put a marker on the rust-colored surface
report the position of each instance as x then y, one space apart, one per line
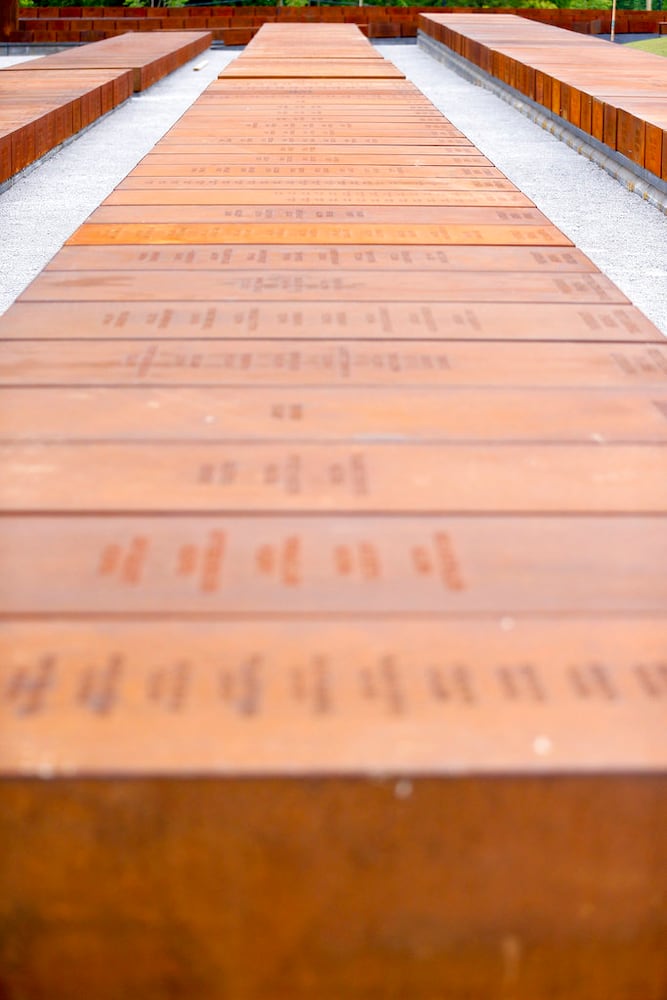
423 866
494 321
378 678
319 217
245 67
301 478
336 363
315 233
142 566
482 194
38 111
282 413
438 164
150 55
333 598
45 101
375 285
617 95
401 259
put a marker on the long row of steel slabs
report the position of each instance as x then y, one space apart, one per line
334 572
45 101
613 93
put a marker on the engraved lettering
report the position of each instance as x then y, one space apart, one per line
98 690
28 686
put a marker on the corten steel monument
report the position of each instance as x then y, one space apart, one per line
333 656
9 17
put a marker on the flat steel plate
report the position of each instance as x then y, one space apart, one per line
568 416
342 566
491 695
329 478
339 286
331 363
322 68
490 195
320 321
316 216
397 258
469 234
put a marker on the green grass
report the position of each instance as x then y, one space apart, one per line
658 46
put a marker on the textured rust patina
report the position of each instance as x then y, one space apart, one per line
333 535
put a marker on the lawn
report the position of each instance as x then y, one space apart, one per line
656 45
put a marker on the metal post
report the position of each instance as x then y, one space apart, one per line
613 21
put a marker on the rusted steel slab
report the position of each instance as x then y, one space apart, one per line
149 55
589 678
488 873
331 363
288 525
432 156
393 133
318 217
338 285
298 143
313 321
269 257
39 111
482 194
153 170
361 69
322 182
302 478
246 537
142 566
110 234
567 416
608 93
213 151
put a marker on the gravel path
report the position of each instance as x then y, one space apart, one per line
624 236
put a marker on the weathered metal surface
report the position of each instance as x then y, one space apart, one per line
609 94
38 111
207 159
342 565
320 321
258 530
443 164
318 68
399 258
455 179
150 55
408 234
299 478
317 216
334 363
453 686
355 416
483 194
340 286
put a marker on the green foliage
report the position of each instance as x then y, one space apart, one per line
590 4
154 3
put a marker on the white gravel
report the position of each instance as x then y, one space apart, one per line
625 237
